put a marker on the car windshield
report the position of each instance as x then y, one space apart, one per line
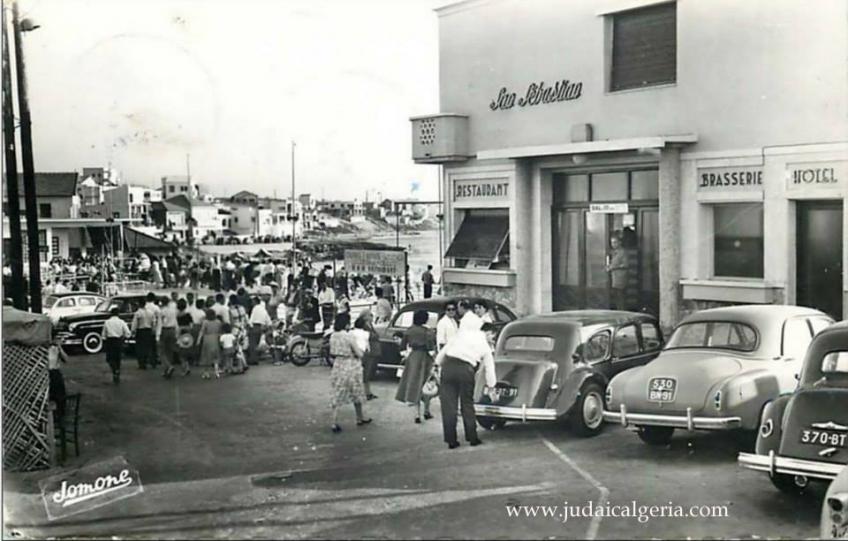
103 306
49 302
835 363
528 344
404 319
714 334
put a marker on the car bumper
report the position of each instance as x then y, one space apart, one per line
69 339
519 414
688 421
772 464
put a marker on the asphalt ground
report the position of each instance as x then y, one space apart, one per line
253 456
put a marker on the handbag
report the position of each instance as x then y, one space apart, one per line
431 384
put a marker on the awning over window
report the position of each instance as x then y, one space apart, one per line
481 236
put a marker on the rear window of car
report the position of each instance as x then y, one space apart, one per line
539 344
404 319
714 334
835 362
49 301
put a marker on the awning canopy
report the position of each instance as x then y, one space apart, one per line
481 236
589 147
136 240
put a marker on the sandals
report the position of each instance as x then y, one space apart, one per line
363 422
336 428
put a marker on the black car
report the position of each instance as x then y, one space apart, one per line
85 329
390 336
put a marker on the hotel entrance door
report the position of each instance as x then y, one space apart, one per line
819 256
582 251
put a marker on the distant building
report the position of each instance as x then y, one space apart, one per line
174 185
56 195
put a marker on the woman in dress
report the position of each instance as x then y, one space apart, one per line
185 338
417 366
346 374
156 274
238 321
365 322
209 340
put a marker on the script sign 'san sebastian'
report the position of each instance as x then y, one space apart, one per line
389 262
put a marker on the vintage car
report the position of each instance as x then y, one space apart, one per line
834 523
84 329
391 335
804 435
716 372
556 366
58 305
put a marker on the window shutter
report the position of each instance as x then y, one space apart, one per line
644 47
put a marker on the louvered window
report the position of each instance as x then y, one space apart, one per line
644 47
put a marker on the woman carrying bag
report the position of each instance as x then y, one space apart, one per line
418 366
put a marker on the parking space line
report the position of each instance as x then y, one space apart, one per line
592 532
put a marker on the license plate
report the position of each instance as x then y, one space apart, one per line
399 372
824 438
509 392
662 389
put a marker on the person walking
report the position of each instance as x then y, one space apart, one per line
346 374
115 331
365 325
459 361
166 337
260 322
209 341
239 324
228 348
427 281
56 392
327 302
417 366
186 350
447 327
144 325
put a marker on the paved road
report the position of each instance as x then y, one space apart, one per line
253 456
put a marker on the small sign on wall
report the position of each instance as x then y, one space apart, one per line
609 208
725 179
816 176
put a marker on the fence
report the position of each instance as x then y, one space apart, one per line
27 422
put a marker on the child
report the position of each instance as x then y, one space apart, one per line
228 342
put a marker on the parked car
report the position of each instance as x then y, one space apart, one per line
391 335
834 523
804 435
555 367
84 329
58 305
716 372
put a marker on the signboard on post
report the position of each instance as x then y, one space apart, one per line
390 262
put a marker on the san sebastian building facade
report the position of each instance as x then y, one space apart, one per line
709 138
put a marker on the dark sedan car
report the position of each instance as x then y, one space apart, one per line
556 366
84 329
391 335
803 436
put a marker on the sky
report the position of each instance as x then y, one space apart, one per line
141 84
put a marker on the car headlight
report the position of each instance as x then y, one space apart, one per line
71 327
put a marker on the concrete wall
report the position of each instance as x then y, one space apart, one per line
749 74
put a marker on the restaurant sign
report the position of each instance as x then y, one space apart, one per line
388 262
537 93
730 179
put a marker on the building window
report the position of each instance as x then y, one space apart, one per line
620 186
644 47
45 211
738 240
482 241
171 189
183 189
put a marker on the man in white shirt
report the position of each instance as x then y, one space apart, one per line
220 308
447 326
115 331
168 336
260 321
459 361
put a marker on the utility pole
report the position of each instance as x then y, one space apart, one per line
293 215
28 170
14 203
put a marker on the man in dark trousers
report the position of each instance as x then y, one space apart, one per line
115 331
459 361
427 280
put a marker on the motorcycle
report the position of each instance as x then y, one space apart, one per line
304 345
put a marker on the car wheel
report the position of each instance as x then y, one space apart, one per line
299 354
92 343
490 423
656 435
587 417
786 484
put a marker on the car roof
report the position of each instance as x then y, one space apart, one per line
754 314
73 293
437 304
833 338
586 318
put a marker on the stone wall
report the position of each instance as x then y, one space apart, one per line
503 295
